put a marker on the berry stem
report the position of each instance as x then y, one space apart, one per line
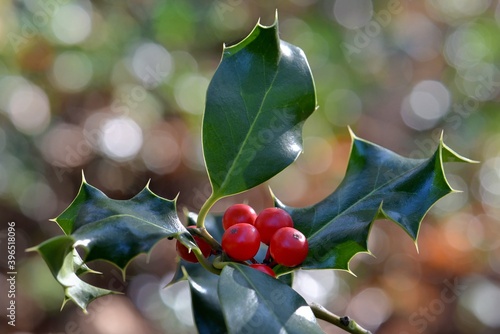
345 323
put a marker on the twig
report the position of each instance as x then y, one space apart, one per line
345 323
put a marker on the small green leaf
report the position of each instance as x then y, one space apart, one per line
112 230
257 102
119 230
65 264
254 302
378 183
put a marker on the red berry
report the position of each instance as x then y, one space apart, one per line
263 268
237 214
271 220
188 255
241 241
288 247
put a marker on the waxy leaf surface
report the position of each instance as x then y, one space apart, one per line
257 102
254 302
106 229
378 184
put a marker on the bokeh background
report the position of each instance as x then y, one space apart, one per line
117 89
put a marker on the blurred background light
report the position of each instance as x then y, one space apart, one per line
72 23
165 305
317 156
3 180
151 64
482 298
489 179
161 152
192 152
427 103
402 272
479 81
190 91
72 71
464 232
455 202
42 205
287 191
451 10
343 107
371 306
230 15
26 104
316 285
3 140
466 46
121 138
65 146
304 2
353 14
418 36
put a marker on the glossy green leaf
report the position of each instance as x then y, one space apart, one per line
257 102
106 229
378 183
66 266
207 310
254 302
119 230
203 284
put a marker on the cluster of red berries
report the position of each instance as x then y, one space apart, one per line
244 232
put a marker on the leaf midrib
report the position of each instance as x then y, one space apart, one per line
120 216
370 194
250 130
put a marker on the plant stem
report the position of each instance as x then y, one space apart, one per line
200 222
345 323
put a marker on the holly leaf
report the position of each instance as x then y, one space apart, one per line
207 311
66 265
106 229
378 184
254 302
257 102
119 230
